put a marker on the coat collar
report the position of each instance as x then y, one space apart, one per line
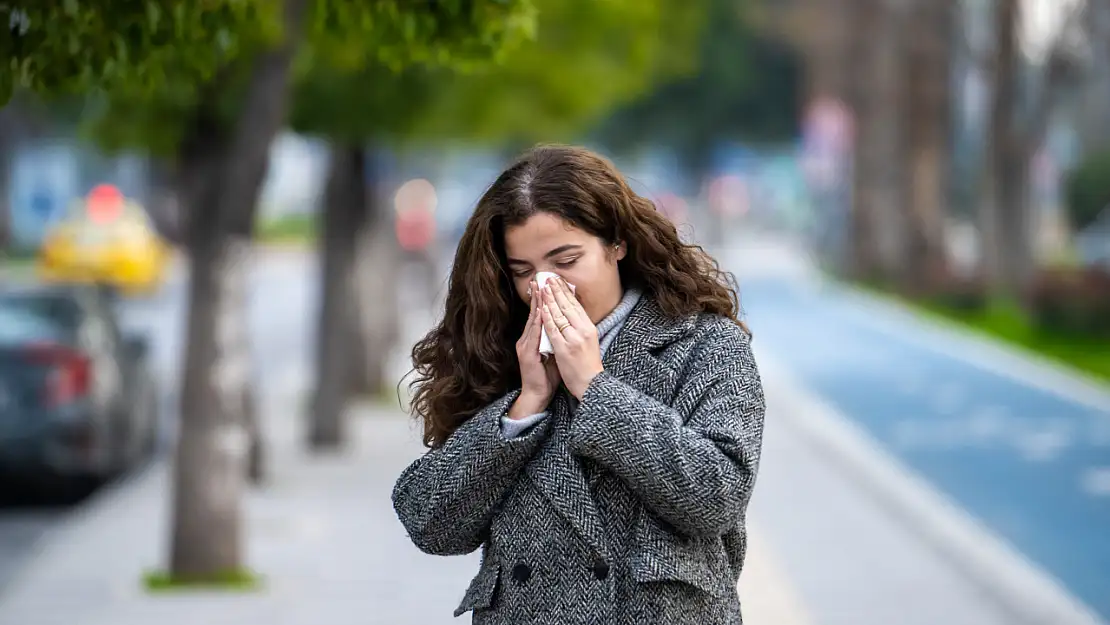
649 328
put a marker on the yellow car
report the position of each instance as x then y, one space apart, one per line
105 239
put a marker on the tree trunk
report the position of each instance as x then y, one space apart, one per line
9 143
931 42
879 180
344 218
1095 103
828 33
1005 218
7 149
994 204
209 464
378 270
825 34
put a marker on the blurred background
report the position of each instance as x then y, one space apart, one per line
223 225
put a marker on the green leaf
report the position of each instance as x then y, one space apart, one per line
153 15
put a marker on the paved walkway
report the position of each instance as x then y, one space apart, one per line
324 535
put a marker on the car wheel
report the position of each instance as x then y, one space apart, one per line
62 490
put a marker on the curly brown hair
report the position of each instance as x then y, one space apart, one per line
469 359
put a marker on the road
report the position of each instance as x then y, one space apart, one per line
1023 453
1019 459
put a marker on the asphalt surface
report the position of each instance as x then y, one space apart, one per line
1029 460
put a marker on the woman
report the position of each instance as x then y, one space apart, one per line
608 483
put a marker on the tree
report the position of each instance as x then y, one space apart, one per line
1016 129
878 101
550 87
743 85
1095 101
930 42
61 49
69 47
218 132
824 35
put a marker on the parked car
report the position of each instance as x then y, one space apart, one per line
78 401
105 239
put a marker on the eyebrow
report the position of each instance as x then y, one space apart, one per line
555 252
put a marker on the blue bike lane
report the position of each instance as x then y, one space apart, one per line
1031 465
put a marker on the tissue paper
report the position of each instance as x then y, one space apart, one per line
545 342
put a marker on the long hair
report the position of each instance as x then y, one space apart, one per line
469 359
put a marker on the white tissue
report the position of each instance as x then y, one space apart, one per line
545 342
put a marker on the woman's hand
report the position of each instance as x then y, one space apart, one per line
573 337
538 378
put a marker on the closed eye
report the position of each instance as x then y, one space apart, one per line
566 263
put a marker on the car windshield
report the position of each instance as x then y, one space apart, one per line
19 326
51 310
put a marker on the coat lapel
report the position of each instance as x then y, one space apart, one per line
631 357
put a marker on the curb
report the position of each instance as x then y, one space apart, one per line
1028 594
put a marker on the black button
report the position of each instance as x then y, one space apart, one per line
601 570
522 573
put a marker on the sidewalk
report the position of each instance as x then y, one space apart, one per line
324 535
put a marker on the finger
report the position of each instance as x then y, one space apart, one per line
535 334
567 305
573 298
533 321
557 313
553 333
537 302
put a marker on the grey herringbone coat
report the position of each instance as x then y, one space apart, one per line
628 510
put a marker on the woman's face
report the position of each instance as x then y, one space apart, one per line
546 242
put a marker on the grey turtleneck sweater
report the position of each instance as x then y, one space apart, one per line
607 330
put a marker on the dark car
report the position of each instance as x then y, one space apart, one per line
78 402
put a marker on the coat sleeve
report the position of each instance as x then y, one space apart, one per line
695 473
446 498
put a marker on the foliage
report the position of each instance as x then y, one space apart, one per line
1067 317
345 38
1010 324
1072 301
372 103
745 88
75 45
585 57
294 229
1088 189
239 581
967 294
